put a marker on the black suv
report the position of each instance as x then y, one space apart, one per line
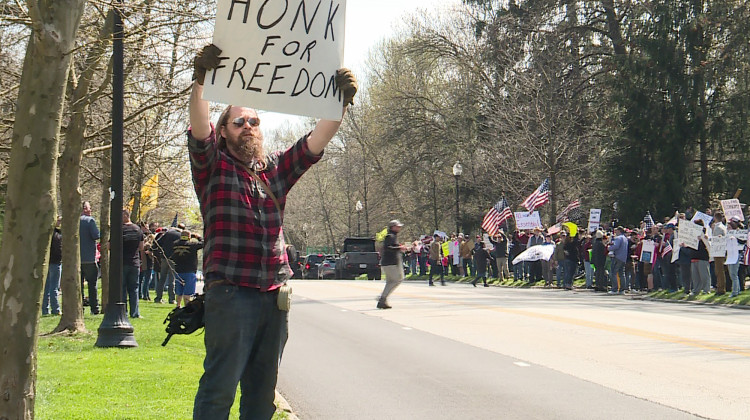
310 266
358 257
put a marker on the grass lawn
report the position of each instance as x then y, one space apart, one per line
726 299
76 380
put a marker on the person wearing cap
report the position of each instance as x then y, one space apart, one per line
185 258
392 263
599 260
619 251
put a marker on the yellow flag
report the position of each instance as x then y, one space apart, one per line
150 194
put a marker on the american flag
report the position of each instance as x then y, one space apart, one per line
648 220
565 213
538 198
666 248
746 255
499 213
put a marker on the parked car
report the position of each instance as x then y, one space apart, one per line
310 266
295 262
327 269
358 256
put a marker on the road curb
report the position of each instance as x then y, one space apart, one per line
283 405
690 302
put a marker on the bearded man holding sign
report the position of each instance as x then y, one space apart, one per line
242 193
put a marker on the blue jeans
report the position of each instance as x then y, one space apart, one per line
50 290
130 288
90 273
413 266
143 282
617 275
517 270
166 276
733 274
422 265
570 271
468 266
560 272
245 337
589 273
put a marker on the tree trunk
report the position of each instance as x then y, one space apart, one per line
105 225
613 28
70 193
31 208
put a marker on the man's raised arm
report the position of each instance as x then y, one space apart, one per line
207 59
325 129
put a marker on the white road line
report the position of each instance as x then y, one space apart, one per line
521 364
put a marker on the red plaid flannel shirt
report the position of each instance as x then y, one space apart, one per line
244 241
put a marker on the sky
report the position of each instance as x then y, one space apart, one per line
367 23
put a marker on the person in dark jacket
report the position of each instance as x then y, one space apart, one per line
599 260
501 254
481 258
571 261
185 258
49 301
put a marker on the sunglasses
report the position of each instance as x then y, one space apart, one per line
239 122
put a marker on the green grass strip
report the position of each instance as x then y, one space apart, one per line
79 381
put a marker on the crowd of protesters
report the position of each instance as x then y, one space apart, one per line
609 259
154 259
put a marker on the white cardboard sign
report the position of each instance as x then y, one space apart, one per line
595 217
689 233
647 251
703 216
279 55
718 246
526 220
732 208
740 234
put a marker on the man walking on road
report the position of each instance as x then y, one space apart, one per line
392 264
242 193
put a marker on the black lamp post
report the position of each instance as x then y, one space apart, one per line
457 171
115 329
358 206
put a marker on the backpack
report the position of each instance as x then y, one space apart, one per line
185 320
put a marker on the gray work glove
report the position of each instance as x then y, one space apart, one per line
347 83
207 59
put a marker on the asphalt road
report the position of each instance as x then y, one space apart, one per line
459 352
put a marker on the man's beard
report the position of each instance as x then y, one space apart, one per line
247 147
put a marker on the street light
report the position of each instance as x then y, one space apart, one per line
457 171
115 329
359 207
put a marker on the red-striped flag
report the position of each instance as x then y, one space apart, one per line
666 249
563 214
499 213
538 198
746 255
